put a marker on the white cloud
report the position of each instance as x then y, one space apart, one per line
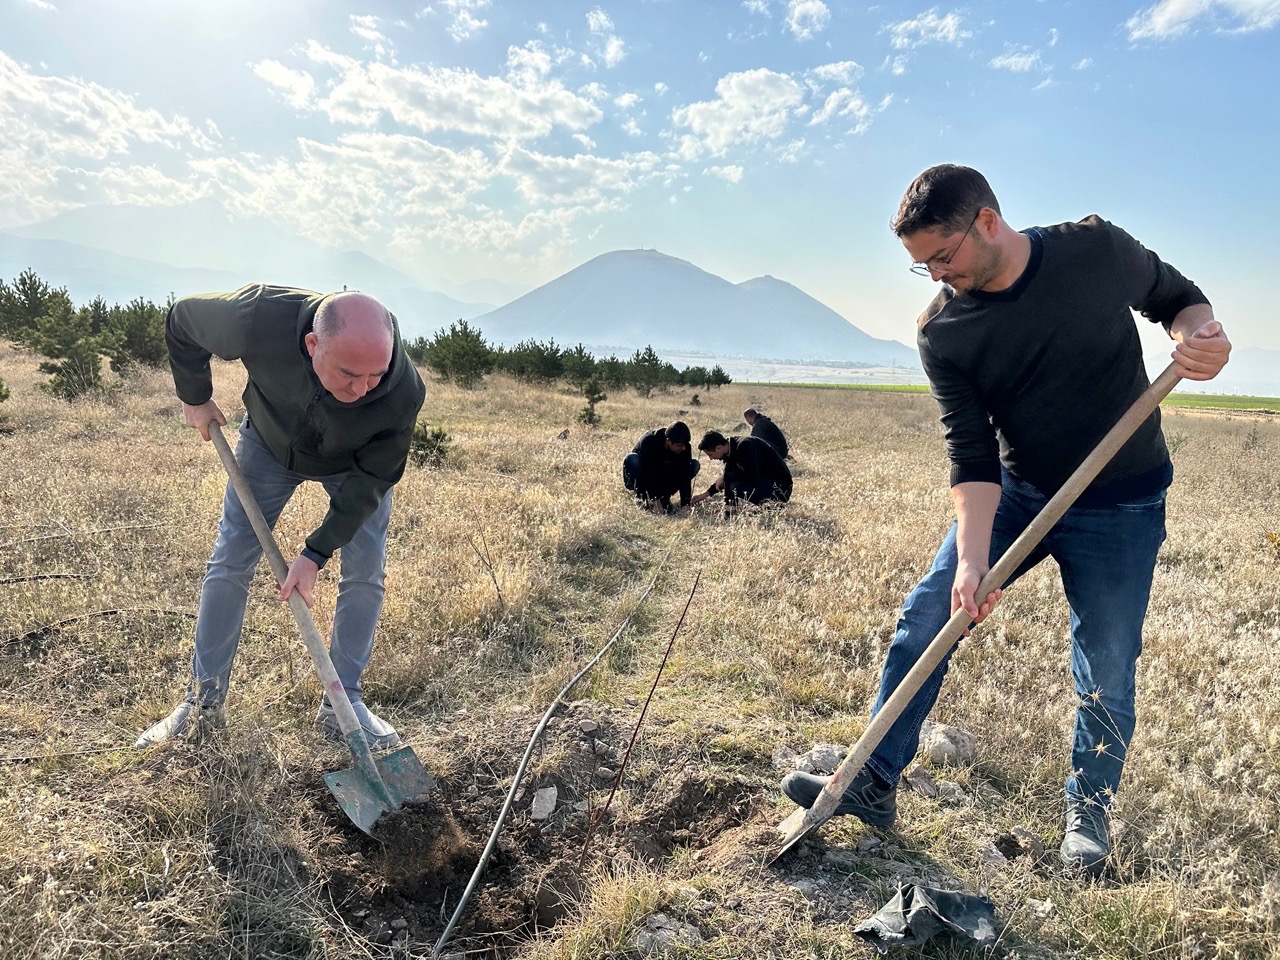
758 8
750 106
42 4
1021 62
845 71
807 18
1053 36
366 27
731 173
660 88
1044 84
463 20
587 142
843 103
1172 18
525 105
626 101
927 28
1084 64
598 21
68 142
585 181
609 46
896 65
296 86
632 127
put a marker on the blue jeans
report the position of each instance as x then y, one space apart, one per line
235 556
1107 557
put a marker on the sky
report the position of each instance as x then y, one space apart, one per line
465 140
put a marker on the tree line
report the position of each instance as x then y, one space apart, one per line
461 355
73 340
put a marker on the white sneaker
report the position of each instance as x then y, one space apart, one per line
379 734
188 721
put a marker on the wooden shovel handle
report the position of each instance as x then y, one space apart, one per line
950 634
336 693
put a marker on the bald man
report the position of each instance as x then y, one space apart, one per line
333 398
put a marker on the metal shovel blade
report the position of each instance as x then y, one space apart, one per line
802 822
401 778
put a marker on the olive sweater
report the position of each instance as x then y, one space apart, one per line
305 427
1032 377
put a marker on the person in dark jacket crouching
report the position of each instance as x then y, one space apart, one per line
753 470
661 466
764 428
331 397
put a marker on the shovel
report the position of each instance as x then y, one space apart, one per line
802 821
372 787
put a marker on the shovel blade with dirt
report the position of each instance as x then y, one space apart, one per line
802 822
374 786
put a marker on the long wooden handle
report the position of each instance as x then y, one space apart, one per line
950 634
336 693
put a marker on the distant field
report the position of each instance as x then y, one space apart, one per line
1201 401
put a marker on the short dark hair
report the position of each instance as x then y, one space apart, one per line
712 439
750 412
678 432
947 196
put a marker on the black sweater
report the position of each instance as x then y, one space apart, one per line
1035 375
770 433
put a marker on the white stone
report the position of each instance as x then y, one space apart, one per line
544 803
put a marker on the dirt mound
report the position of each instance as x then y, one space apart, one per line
401 891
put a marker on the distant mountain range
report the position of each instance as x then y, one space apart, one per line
616 302
629 298
619 301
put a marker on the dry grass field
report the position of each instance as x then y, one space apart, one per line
510 565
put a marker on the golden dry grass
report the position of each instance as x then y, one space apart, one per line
512 564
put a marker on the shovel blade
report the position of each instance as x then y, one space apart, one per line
795 828
364 799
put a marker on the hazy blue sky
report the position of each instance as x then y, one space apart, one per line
468 139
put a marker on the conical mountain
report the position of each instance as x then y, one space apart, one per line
627 299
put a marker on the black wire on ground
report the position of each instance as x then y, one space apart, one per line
524 763
600 815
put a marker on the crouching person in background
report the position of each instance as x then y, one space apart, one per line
333 398
660 466
753 470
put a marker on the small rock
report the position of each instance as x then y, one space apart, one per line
384 936
582 806
661 935
784 759
605 773
544 803
825 757
399 923
808 888
588 726
950 792
948 746
472 791
868 843
563 434
991 853
922 782
600 748
1041 908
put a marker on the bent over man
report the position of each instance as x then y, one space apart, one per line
762 426
753 470
1032 356
331 397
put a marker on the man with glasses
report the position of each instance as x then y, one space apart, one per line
1032 356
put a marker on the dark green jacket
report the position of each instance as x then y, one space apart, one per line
306 429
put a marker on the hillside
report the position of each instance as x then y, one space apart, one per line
630 298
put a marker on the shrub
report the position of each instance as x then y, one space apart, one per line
133 334
430 445
4 392
65 335
459 354
644 371
594 394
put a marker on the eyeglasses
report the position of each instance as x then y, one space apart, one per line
937 263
